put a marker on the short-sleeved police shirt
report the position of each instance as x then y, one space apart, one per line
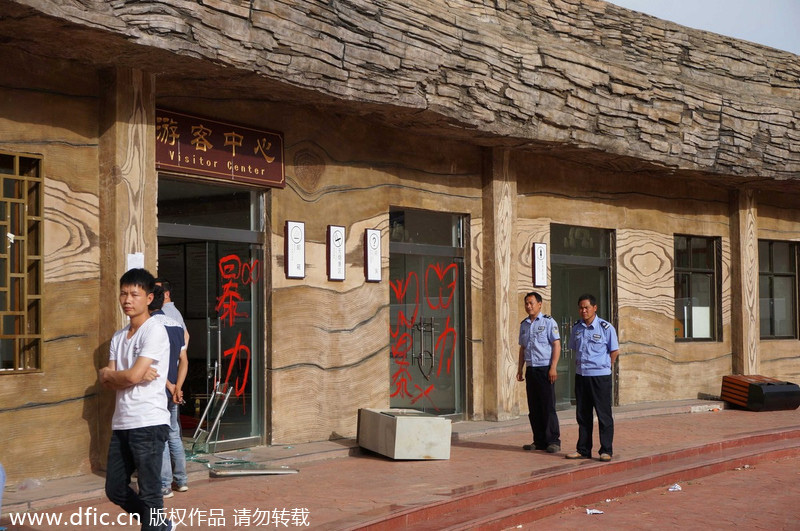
593 345
537 337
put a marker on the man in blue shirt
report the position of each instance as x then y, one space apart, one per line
539 350
173 450
596 348
2 486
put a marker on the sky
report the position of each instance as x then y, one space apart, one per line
775 23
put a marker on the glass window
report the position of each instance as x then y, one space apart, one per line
697 288
20 264
425 227
777 289
572 240
185 202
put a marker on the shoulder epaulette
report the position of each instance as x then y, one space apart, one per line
576 322
546 316
605 324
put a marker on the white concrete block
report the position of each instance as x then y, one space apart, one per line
404 433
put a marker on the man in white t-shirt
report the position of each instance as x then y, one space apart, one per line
137 371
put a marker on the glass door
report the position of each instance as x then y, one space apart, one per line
427 312
221 287
580 262
212 253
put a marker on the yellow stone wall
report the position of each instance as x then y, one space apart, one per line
779 219
327 343
50 419
645 214
330 340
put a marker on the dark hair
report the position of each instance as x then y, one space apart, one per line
158 299
587 297
138 277
164 283
533 294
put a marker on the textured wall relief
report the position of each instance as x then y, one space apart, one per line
308 168
528 232
71 244
644 270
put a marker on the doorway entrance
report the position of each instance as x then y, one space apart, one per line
581 261
426 264
210 248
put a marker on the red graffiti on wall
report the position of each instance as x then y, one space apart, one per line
440 282
234 272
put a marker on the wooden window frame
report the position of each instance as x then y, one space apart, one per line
771 274
715 270
21 263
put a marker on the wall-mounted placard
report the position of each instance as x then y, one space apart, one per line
295 249
135 261
372 255
540 264
336 252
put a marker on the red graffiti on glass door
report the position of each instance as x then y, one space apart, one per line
233 273
402 337
446 291
440 283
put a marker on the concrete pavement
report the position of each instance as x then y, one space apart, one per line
488 479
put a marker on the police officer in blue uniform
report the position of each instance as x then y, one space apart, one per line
596 348
539 350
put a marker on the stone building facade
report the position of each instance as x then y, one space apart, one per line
427 154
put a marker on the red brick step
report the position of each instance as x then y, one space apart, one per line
576 483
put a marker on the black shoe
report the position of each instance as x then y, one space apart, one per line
530 447
553 448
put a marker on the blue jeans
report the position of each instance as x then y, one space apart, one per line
2 486
137 449
174 448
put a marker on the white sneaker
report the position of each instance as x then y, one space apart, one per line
166 492
182 488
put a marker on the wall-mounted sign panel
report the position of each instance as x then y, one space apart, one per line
336 252
540 264
372 255
135 261
217 150
295 249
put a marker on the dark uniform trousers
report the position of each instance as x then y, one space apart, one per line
542 407
594 392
